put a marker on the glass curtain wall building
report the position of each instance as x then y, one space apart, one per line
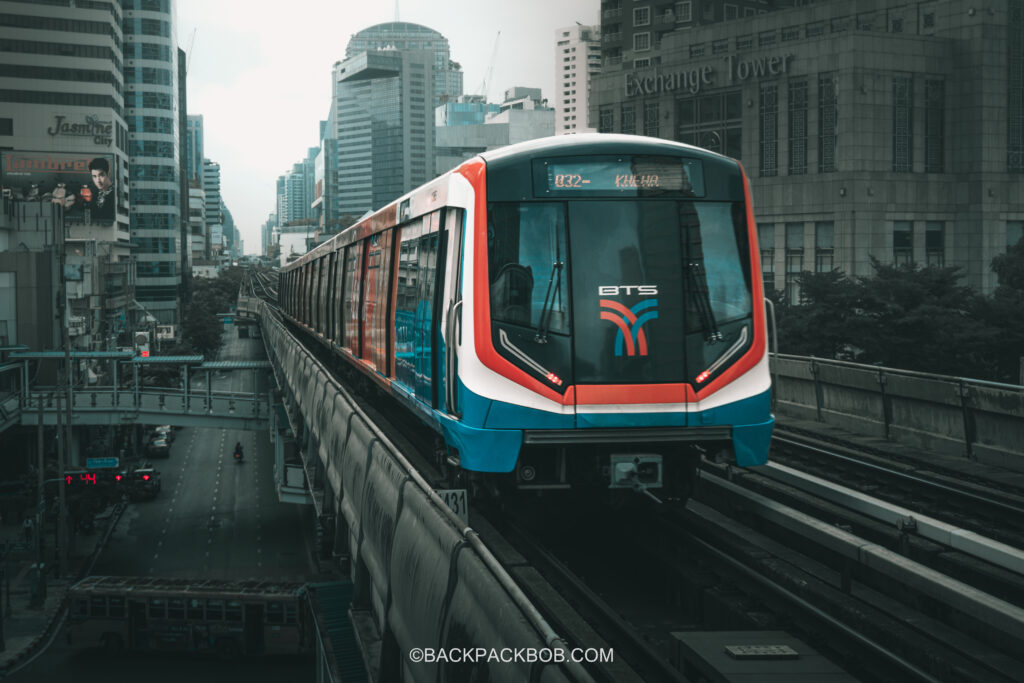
151 111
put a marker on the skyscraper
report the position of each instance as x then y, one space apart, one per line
384 95
151 112
194 149
62 117
577 61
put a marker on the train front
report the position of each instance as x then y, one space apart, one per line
617 316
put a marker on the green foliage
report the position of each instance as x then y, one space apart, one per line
909 317
200 326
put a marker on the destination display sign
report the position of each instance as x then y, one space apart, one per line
622 175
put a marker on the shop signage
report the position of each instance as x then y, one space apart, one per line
737 70
101 132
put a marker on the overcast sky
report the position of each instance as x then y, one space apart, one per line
261 74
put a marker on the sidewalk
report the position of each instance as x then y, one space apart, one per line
26 628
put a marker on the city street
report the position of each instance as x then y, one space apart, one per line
213 519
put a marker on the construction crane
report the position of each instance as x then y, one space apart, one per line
482 91
188 52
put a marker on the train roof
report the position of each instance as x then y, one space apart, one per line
597 143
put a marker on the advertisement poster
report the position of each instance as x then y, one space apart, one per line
83 183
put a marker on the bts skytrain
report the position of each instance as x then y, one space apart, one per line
576 311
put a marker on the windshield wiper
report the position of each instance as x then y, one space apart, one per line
555 283
702 301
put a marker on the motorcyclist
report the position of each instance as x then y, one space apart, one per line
238 450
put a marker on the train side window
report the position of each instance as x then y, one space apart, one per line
176 608
157 608
115 604
98 606
81 608
195 609
290 613
275 613
233 611
214 610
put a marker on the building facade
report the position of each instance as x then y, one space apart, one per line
214 218
523 115
402 36
152 108
64 174
385 129
577 61
870 129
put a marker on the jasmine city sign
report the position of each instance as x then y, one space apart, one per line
691 80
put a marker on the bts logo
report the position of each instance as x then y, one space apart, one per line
615 290
631 338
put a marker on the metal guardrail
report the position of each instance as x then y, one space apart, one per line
975 419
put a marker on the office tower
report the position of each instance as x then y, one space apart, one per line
577 61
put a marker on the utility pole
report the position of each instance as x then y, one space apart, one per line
64 454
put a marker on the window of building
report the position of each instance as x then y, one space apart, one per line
652 127
713 122
928 20
815 29
719 47
903 123
790 33
765 38
1014 232
697 50
824 246
605 120
934 125
769 129
827 123
1015 88
798 126
684 11
731 12
641 41
935 243
902 243
642 63
6 126
641 16
628 119
744 42
794 260
766 242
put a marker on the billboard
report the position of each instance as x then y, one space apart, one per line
85 184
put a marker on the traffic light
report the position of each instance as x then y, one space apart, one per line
142 344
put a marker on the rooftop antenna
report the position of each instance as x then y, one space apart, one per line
396 10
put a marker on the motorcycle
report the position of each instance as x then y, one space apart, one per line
238 456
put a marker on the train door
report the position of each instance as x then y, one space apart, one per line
353 296
140 626
450 309
254 644
416 307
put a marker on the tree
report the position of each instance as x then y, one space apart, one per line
819 326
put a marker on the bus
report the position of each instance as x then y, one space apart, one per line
226 618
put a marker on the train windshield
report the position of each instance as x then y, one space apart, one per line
665 292
620 291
